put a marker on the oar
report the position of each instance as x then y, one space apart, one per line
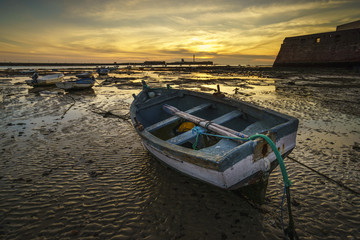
204 123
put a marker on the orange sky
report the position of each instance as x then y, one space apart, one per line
226 32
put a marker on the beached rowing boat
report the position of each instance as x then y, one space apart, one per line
46 80
83 83
159 116
85 75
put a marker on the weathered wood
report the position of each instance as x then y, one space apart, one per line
175 118
215 127
182 138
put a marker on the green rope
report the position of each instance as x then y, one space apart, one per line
266 138
146 87
278 156
292 233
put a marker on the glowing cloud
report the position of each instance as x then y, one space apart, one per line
227 32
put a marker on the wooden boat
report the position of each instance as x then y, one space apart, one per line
224 162
85 75
28 71
103 71
83 83
46 80
113 68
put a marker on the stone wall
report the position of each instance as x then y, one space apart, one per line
339 48
348 26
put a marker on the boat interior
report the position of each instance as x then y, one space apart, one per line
241 118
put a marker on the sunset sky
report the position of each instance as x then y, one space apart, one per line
224 31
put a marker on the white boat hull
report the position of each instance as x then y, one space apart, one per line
223 161
46 80
237 176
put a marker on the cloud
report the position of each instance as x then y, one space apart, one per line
135 29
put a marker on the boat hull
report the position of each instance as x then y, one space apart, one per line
103 71
46 80
85 75
74 85
226 163
245 172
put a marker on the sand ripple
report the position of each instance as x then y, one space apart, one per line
68 170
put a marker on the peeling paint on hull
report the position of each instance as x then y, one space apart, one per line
225 163
243 173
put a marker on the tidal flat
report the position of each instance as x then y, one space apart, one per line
72 166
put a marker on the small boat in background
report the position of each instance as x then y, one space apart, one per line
83 83
163 118
103 71
28 71
85 75
113 68
46 80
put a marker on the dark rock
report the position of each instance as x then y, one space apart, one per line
46 173
94 174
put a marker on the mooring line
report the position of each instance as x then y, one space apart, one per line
109 114
74 101
325 176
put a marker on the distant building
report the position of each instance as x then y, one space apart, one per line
339 48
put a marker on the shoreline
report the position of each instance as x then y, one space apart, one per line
263 70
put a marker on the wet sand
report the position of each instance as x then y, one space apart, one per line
72 167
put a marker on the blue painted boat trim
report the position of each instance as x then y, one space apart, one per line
207 157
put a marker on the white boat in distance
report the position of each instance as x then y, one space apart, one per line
46 80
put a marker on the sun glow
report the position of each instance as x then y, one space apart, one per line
206 44
205 48
226 32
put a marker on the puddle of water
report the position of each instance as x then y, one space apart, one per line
247 89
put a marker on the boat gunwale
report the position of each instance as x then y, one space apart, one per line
46 80
198 157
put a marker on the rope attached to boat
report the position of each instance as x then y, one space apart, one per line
200 131
292 234
146 87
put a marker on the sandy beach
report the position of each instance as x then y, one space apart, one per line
72 167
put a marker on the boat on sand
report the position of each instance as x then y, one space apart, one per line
103 71
211 147
85 75
46 80
83 83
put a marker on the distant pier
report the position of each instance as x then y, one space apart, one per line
146 63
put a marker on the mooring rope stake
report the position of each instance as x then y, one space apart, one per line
290 232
